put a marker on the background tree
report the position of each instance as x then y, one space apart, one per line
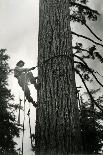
8 129
91 128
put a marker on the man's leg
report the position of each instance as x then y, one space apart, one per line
33 80
23 83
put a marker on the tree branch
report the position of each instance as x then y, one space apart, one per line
91 97
92 32
82 61
89 69
85 7
86 38
83 22
95 113
77 48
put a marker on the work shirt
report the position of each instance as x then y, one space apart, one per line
19 70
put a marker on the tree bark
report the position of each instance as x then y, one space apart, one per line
57 117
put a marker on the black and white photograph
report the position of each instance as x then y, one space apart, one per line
51 77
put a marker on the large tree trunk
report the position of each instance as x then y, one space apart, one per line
57 117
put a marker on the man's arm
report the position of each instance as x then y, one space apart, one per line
22 69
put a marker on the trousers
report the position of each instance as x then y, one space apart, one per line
23 82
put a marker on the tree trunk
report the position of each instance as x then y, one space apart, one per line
57 116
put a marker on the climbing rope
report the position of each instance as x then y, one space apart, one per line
24 117
53 57
19 110
30 123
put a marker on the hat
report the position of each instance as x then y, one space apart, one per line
20 62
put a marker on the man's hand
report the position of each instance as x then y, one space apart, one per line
32 68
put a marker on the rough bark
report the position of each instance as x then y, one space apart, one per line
57 117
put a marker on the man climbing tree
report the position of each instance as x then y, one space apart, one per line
57 118
23 75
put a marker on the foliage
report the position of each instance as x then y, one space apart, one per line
7 118
91 128
85 56
91 111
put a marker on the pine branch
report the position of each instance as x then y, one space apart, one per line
85 7
92 32
82 61
76 47
83 22
89 69
90 51
95 113
91 97
86 38
97 79
81 1
82 64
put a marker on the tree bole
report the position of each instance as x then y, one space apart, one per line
57 117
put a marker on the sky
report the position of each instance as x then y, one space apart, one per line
19 21
19 30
